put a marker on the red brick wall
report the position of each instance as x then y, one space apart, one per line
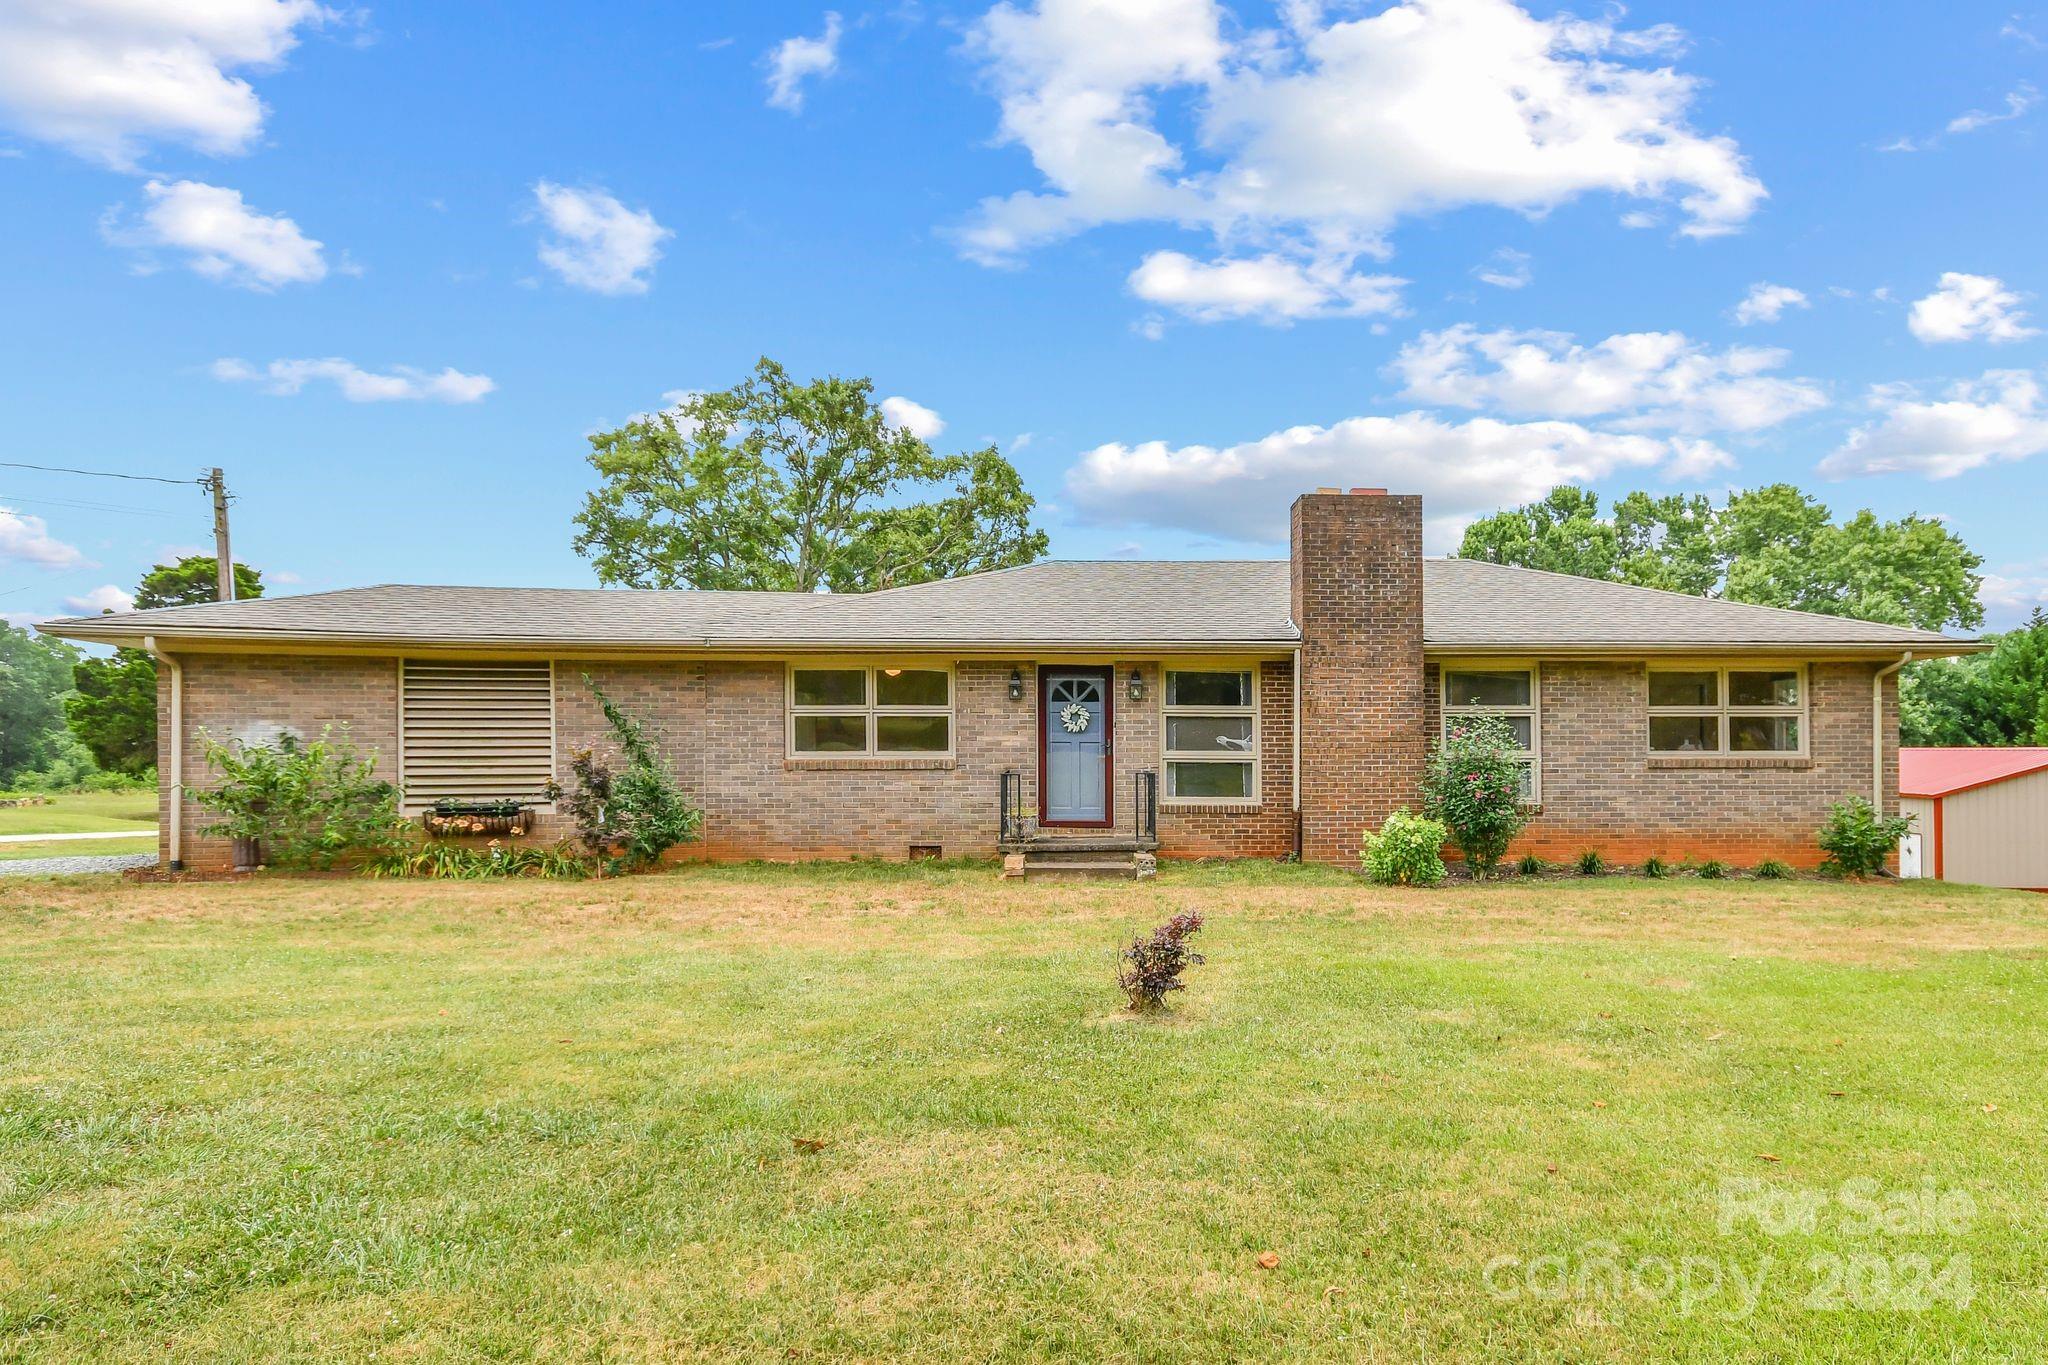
721 725
1357 599
1603 790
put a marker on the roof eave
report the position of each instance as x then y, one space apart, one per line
85 632
1562 649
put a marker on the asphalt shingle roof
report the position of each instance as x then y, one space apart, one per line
1466 605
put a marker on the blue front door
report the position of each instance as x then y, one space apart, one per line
1076 776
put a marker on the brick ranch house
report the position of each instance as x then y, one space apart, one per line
1241 708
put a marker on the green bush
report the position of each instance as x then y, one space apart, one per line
1656 867
1529 865
1408 851
308 804
626 819
1713 870
1771 870
467 862
1857 840
1591 864
1473 784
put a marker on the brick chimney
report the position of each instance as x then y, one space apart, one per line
1356 591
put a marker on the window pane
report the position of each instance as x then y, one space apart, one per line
1763 689
1685 734
1763 734
910 687
831 734
1466 688
911 734
1208 689
1524 727
1685 689
1528 780
831 687
1195 734
1209 779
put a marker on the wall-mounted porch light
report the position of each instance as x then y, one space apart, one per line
1137 685
1016 685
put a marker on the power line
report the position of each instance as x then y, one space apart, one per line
99 473
10 499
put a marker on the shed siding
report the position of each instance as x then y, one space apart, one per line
1997 835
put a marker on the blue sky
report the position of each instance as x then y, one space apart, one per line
1180 259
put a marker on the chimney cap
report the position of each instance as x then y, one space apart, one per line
1368 492
1329 490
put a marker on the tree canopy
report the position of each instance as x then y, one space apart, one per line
1995 698
113 710
35 673
774 484
1775 546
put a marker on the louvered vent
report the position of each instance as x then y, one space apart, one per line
476 732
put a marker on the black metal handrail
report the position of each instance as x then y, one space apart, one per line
1145 805
1010 806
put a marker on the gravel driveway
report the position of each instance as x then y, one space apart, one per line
65 867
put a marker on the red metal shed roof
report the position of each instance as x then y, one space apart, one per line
1942 772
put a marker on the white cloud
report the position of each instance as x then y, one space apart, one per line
1318 138
1462 469
1999 418
793 61
220 236
2011 592
401 383
915 418
1507 268
599 243
22 620
104 598
1964 307
1270 288
105 77
1638 219
1767 303
2017 102
27 539
1644 379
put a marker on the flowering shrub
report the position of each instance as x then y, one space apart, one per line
1152 965
1408 851
1473 784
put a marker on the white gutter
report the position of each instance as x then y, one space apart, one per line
177 773
1877 729
1294 781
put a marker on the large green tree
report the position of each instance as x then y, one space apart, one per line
1774 546
35 673
113 710
1995 698
774 484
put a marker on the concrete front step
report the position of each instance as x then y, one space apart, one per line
1123 868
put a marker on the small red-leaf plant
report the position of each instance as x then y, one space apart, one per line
1152 965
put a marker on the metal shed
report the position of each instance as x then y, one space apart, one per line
1980 815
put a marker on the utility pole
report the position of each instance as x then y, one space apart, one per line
223 557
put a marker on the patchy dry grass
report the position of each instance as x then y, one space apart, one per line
536 1120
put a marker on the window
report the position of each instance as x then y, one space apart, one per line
1509 694
854 710
1212 736
1727 711
475 731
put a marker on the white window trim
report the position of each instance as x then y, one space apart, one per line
1252 757
870 709
1449 710
1726 713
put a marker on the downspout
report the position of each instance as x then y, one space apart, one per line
1877 730
177 773
1294 780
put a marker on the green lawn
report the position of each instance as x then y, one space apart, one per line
77 848
83 813
342 1119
